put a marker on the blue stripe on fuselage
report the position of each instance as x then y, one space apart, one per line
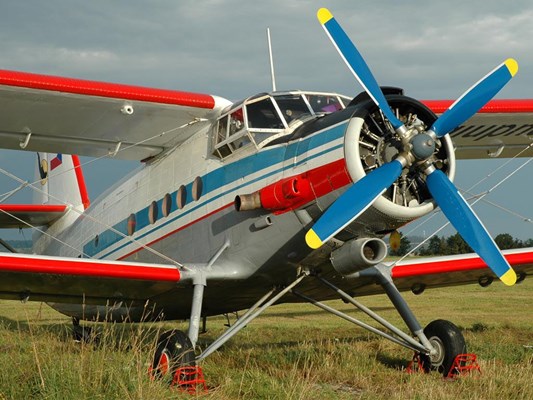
219 178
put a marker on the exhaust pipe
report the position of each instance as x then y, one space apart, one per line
284 195
358 254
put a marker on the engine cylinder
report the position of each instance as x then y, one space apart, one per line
370 141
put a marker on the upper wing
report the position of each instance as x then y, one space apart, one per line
74 116
502 128
456 270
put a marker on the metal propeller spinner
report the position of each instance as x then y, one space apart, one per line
418 148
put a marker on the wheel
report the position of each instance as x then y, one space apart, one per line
83 334
448 340
174 350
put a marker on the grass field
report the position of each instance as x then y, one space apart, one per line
292 352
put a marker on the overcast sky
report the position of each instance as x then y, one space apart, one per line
434 50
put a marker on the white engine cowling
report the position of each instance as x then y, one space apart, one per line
370 142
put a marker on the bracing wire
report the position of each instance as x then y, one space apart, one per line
476 198
83 213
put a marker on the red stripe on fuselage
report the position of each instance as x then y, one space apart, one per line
493 106
97 269
454 265
324 179
104 89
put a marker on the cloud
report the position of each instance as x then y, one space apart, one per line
220 46
52 59
432 49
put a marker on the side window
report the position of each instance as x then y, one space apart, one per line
222 129
167 205
132 223
236 122
153 212
197 188
231 134
181 197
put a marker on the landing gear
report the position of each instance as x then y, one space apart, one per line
83 334
437 346
448 342
174 350
174 356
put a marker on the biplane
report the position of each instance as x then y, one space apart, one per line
282 197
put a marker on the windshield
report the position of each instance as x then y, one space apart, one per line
293 106
263 115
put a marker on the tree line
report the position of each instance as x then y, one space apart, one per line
455 244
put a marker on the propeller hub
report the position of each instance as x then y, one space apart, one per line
423 146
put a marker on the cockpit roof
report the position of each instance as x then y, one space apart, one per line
266 117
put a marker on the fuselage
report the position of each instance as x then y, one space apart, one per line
181 206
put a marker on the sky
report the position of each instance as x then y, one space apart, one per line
434 50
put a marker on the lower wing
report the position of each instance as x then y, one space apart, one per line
454 270
76 280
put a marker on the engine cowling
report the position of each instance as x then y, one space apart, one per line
370 141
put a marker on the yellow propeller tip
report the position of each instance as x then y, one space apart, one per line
324 15
312 239
509 278
512 66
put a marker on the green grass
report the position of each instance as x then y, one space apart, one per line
292 352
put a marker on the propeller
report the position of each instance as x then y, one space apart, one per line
418 148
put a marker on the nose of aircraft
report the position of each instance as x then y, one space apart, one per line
417 148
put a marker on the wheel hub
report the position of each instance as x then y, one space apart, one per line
437 357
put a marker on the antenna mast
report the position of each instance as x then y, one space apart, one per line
271 61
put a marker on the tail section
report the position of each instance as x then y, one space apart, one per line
62 180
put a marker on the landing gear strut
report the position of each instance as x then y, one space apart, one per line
82 334
437 346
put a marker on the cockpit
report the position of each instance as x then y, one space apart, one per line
260 120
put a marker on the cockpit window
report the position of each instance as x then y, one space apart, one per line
222 129
263 115
236 122
324 103
292 106
267 118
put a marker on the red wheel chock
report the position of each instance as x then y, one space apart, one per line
462 364
415 365
190 380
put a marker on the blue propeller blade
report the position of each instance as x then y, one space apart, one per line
356 63
463 218
352 203
475 98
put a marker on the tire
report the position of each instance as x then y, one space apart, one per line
174 350
448 340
